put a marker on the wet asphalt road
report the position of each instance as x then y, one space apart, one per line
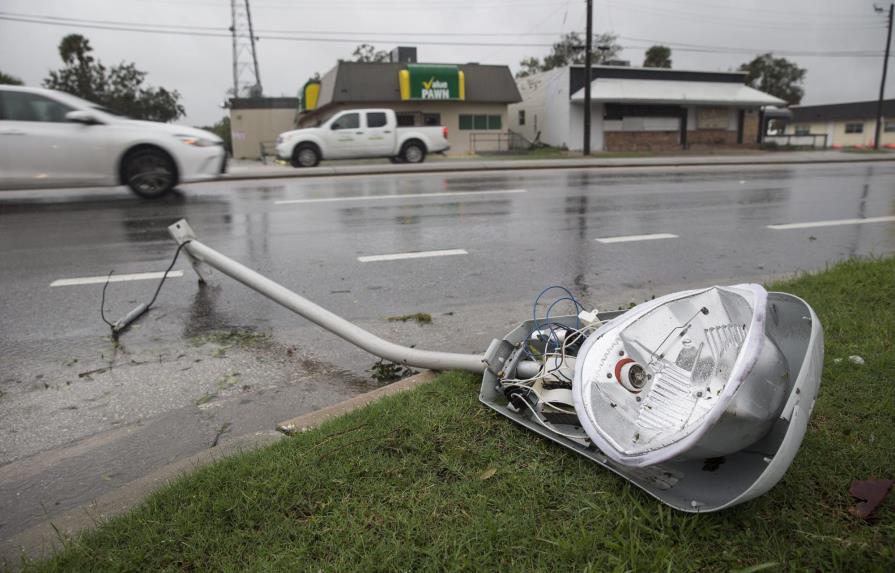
79 415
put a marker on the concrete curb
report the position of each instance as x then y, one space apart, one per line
529 165
313 419
42 539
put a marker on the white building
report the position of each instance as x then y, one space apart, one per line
639 108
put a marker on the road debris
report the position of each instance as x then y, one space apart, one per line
871 492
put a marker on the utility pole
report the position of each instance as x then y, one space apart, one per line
882 85
587 67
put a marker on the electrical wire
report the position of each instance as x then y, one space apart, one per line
102 304
284 35
158 289
168 270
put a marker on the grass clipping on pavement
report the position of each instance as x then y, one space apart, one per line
431 480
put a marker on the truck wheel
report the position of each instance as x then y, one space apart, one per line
413 152
305 156
150 173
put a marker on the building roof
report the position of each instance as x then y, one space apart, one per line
675 91
264 103
841 111
578 75
378 82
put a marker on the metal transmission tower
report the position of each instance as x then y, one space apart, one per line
245 70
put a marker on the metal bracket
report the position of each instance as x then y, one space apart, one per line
182 232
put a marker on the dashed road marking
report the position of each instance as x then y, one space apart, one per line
399 196
114 278
629 238
415 255
832 223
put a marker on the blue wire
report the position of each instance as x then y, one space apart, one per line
547 323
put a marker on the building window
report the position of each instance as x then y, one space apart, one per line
803 130
889 127
521 117
854 128
376 119
432 119
480 122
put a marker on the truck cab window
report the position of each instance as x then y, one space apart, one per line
347 121
376 119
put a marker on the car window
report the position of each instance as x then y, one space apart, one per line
25 106
376 119
347 121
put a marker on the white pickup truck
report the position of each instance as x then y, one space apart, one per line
361 133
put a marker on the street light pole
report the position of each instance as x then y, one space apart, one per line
882 85
587 67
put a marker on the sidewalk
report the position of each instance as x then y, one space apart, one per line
245 169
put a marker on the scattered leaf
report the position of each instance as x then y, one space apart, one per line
488 473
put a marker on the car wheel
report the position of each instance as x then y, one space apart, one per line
150 173
305 156
413 152
396 159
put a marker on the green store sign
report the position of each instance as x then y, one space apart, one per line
432 83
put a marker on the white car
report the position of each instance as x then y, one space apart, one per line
54 139
361 133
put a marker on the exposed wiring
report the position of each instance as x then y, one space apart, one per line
165 276
102 304
117 327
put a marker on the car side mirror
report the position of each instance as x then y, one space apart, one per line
83 117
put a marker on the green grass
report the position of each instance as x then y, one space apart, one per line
430 480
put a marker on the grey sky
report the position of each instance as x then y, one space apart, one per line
200 67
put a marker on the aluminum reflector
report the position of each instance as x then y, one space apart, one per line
689 375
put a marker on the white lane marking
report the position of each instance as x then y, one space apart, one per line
114 278
627 238
399 196
416 255
832 223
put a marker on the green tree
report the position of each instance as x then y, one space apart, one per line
10 80
657 57
570 49
776 76
119 88
368 53
222 130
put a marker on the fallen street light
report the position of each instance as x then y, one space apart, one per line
700 398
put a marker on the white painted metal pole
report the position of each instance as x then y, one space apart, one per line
354 334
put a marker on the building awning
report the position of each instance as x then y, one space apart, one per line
675 92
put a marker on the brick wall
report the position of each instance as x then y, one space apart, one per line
641 140
710 137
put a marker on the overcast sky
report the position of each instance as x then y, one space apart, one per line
703 34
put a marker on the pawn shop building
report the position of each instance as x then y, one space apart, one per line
471 100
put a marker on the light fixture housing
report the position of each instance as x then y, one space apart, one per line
764 378
651 385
